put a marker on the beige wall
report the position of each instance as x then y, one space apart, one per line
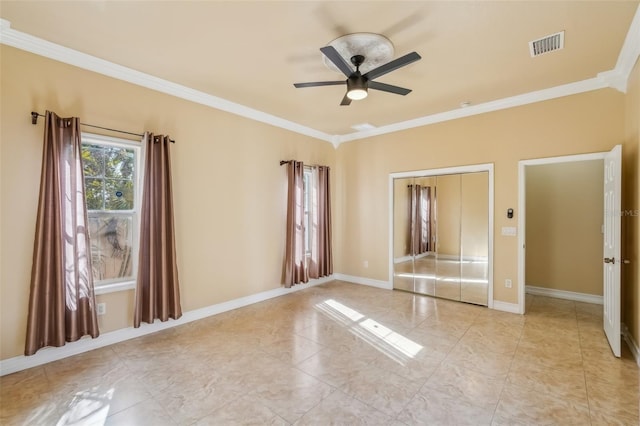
589 122
631 206
564 226
230 192
474 210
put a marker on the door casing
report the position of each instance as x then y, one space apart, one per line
522 165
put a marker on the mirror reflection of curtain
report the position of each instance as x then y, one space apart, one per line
420 220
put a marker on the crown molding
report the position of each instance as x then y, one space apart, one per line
497 105
628 55
29 43
616 79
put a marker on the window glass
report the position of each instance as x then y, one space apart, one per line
110 177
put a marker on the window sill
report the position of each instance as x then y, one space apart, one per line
115 287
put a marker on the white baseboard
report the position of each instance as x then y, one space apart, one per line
364 281
633 345
513 308
49 354
402 259
409 257
562 294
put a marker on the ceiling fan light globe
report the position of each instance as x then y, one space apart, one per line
357 94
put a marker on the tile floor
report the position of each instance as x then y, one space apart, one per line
347 354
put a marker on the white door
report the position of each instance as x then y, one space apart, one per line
612 259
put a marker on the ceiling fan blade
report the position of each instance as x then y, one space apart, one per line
333 55
345 101
319 83
389 88
393 65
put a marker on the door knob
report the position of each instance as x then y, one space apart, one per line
609 260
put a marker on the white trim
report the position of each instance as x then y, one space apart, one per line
364 281
390 225
113 288
409 257
456 258
522 175
513 308
50 354
471 168
564 294
497 105
29 43
616 78
619 76
139 149
402 259
565 159
633 345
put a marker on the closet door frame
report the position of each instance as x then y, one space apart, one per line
487 167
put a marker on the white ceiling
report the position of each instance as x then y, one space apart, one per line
251 52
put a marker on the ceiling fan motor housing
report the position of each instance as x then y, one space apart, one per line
357 81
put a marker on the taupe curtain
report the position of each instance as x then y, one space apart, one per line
420 222
295 265
157 289
61 302
321 261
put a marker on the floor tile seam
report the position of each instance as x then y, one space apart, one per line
296 363
557 394
466 398
586 387
426 380
164 411
487 342
477 370
504 384
554 369
481 373
230 402
333 389
598 382
492 352
396 414
320 379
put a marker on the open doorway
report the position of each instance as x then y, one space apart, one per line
561 238
560 221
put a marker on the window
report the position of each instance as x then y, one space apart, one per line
307 210
111 180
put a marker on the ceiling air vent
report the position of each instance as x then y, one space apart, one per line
546 44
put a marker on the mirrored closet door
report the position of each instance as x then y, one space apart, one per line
441 236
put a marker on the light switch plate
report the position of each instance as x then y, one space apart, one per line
509 231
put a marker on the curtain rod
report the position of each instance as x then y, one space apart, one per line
283 162
35 115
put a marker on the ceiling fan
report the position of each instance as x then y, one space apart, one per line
358 83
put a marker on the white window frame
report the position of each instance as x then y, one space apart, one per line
308 177
110 286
